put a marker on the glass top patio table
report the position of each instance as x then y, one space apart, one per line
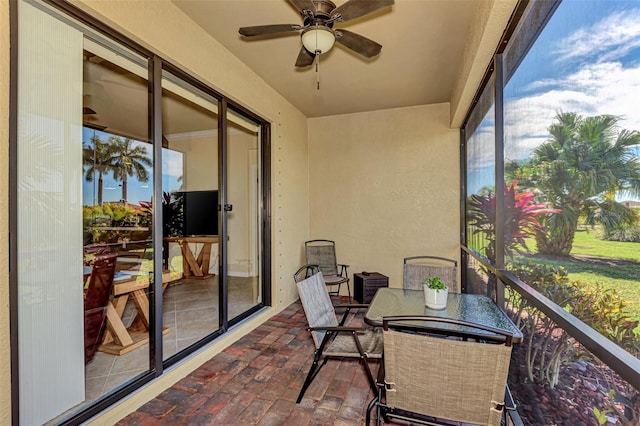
467 307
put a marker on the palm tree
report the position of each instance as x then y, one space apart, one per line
129 160
579 171
98 157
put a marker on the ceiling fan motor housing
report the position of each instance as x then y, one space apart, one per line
324 7
322 15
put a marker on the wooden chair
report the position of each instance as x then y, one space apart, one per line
332 339
429 379
322 253
96 296
417 268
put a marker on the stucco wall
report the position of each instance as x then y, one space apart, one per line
162 27
5 348
385 185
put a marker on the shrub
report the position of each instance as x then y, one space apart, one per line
520 219
549 346
605 309
624 234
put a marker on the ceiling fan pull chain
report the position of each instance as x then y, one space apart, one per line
317 63
317 70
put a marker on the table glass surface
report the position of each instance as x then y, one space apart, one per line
467 307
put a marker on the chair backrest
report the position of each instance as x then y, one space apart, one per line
417 268
323 254
100 285
460 380
317 305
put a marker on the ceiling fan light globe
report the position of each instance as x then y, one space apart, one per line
318 39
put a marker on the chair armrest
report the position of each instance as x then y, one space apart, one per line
311 268
308 271
343 270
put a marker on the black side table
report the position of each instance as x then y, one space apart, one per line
365 285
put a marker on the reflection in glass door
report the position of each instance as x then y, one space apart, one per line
243 198
117 214
190 214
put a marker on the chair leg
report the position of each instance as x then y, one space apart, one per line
313 371
334 292
372 381
369 408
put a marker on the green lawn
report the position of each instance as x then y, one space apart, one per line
586 243
623 276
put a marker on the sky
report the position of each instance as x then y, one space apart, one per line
586 60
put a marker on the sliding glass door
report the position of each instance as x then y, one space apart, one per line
242 211
190 199
139 202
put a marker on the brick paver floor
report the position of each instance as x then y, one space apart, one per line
256 381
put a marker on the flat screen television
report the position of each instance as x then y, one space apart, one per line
200 212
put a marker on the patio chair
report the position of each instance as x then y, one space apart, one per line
323 254
417 268
332 339
429 379
96 296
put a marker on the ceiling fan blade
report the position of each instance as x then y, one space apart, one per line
357 8
305 58
303 5
357 43
259 30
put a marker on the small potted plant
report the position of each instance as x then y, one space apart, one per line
435 293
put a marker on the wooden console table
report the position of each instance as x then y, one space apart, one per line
195 267
119 339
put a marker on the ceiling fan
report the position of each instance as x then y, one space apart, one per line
318 35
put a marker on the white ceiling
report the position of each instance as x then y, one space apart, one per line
423 46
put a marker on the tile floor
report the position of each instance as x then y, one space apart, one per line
190 312
256 382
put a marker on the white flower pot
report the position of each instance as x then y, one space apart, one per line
435 299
